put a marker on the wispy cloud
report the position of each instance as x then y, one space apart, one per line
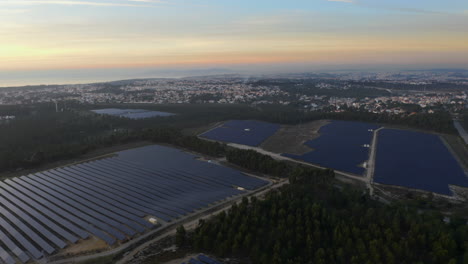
368 4
410 10
78 3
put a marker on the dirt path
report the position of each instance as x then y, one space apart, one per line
191 225
371 162
166 229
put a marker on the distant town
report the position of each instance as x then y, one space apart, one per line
393 93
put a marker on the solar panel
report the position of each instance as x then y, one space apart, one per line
58 242
131 113
194 261
110 202
198 178
19 225
180 193
20 238
172 185
86 206
123 192
102 205
75 208
63 210
148 174
191 191
208 260
6 257
119 194
154 193
245 132
189 186
44 210
13 247
26 218
70 176
107 198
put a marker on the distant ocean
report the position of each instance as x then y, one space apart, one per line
25 81
80 76
22 78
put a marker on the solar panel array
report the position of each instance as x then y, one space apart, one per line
202 259
340 146
131 113
245 132
108 198
417 160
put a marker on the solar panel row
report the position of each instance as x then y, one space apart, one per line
46 233
109 209
131 113
171 181
107 198
245 132
208 260
6 257
66 224
202 259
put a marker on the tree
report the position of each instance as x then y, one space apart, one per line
181 236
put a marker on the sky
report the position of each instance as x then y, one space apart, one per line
45 36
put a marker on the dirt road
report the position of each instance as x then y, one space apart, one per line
192 224
371 163
167 229
279 157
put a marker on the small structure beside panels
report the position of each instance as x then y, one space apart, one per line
132 113
112 199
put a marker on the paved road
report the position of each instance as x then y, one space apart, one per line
461 131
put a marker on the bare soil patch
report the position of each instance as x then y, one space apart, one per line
89 245
459 148
291 139
195 131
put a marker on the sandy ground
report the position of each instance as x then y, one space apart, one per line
291 139
88 245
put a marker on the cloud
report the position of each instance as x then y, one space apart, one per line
411 10
77 3
394 8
